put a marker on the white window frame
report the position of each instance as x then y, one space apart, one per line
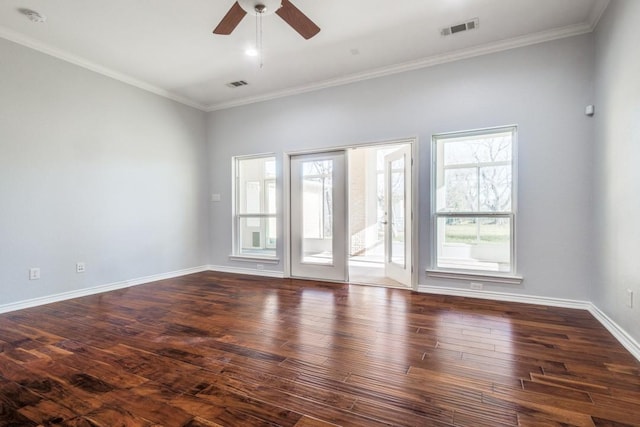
237 216
509 277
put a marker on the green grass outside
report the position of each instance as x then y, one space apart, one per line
468 233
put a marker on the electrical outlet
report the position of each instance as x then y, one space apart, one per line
475 286
80 267
260 266
34 273
629 298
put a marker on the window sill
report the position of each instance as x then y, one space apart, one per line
480 277
250 258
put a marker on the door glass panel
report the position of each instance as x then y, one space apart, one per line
397 212
317 212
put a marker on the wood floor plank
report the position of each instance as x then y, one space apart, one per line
540 420
107 416
312 422
47 413
217 349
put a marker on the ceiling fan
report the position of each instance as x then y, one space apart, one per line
283 8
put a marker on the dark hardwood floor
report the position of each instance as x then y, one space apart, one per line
215 349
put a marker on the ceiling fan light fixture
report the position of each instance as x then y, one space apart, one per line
260 7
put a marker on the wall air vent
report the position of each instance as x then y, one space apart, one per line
471 24
237 84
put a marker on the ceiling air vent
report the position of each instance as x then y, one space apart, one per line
237 84
472 24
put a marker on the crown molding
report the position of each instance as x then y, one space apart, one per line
513 43
20 39
597 12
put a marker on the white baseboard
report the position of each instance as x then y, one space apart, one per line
5 308
249 271
506 296
620 334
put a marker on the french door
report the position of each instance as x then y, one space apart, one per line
397 215
318 216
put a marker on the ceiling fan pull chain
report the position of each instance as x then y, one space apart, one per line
261 43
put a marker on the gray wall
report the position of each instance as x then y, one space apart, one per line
617 163
542 88
94 170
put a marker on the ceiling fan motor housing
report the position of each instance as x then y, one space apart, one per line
264 7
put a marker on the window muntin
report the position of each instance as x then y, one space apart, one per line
473 206
255 206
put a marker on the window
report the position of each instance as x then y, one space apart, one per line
473 206
255 206
317 188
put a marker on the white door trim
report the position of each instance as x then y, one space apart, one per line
401 274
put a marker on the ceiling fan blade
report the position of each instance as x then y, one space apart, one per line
298 20
230 20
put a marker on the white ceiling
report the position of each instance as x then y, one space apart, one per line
167 46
